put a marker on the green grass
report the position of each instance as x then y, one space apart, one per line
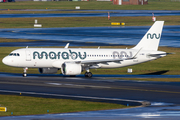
153 5
84 21
23 105
14 40
170 63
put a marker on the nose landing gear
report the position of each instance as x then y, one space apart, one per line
25 72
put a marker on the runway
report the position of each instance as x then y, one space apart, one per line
164 96
101 87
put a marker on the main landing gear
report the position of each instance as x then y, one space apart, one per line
25 72
88 74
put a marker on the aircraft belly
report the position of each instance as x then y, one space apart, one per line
42 63
36 64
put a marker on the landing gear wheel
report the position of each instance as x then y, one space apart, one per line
88 74
24 75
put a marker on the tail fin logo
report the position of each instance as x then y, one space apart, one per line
151 36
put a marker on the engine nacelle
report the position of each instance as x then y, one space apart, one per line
48 70
71 69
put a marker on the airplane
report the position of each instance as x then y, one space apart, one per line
72 61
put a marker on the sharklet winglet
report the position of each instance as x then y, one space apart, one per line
67 45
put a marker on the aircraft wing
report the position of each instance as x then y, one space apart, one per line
102 61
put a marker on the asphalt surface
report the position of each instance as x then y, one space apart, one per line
87 36
100 87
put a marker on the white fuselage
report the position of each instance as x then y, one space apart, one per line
55 57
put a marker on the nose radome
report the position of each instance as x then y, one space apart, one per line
6 61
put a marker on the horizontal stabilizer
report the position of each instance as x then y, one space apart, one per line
160 54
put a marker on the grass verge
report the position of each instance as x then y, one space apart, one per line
2 40
23 105
84 21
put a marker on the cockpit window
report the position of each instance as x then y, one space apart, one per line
14 54
11 54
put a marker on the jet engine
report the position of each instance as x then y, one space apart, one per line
71 69
48 70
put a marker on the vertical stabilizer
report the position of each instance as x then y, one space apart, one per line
151 39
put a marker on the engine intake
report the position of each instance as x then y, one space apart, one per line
71 69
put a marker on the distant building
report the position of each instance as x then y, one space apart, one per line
130 2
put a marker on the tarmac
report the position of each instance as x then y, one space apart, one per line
87 36
163 96
94 13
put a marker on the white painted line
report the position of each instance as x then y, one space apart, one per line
54 83
91 86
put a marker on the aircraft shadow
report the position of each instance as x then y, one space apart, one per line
157 73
